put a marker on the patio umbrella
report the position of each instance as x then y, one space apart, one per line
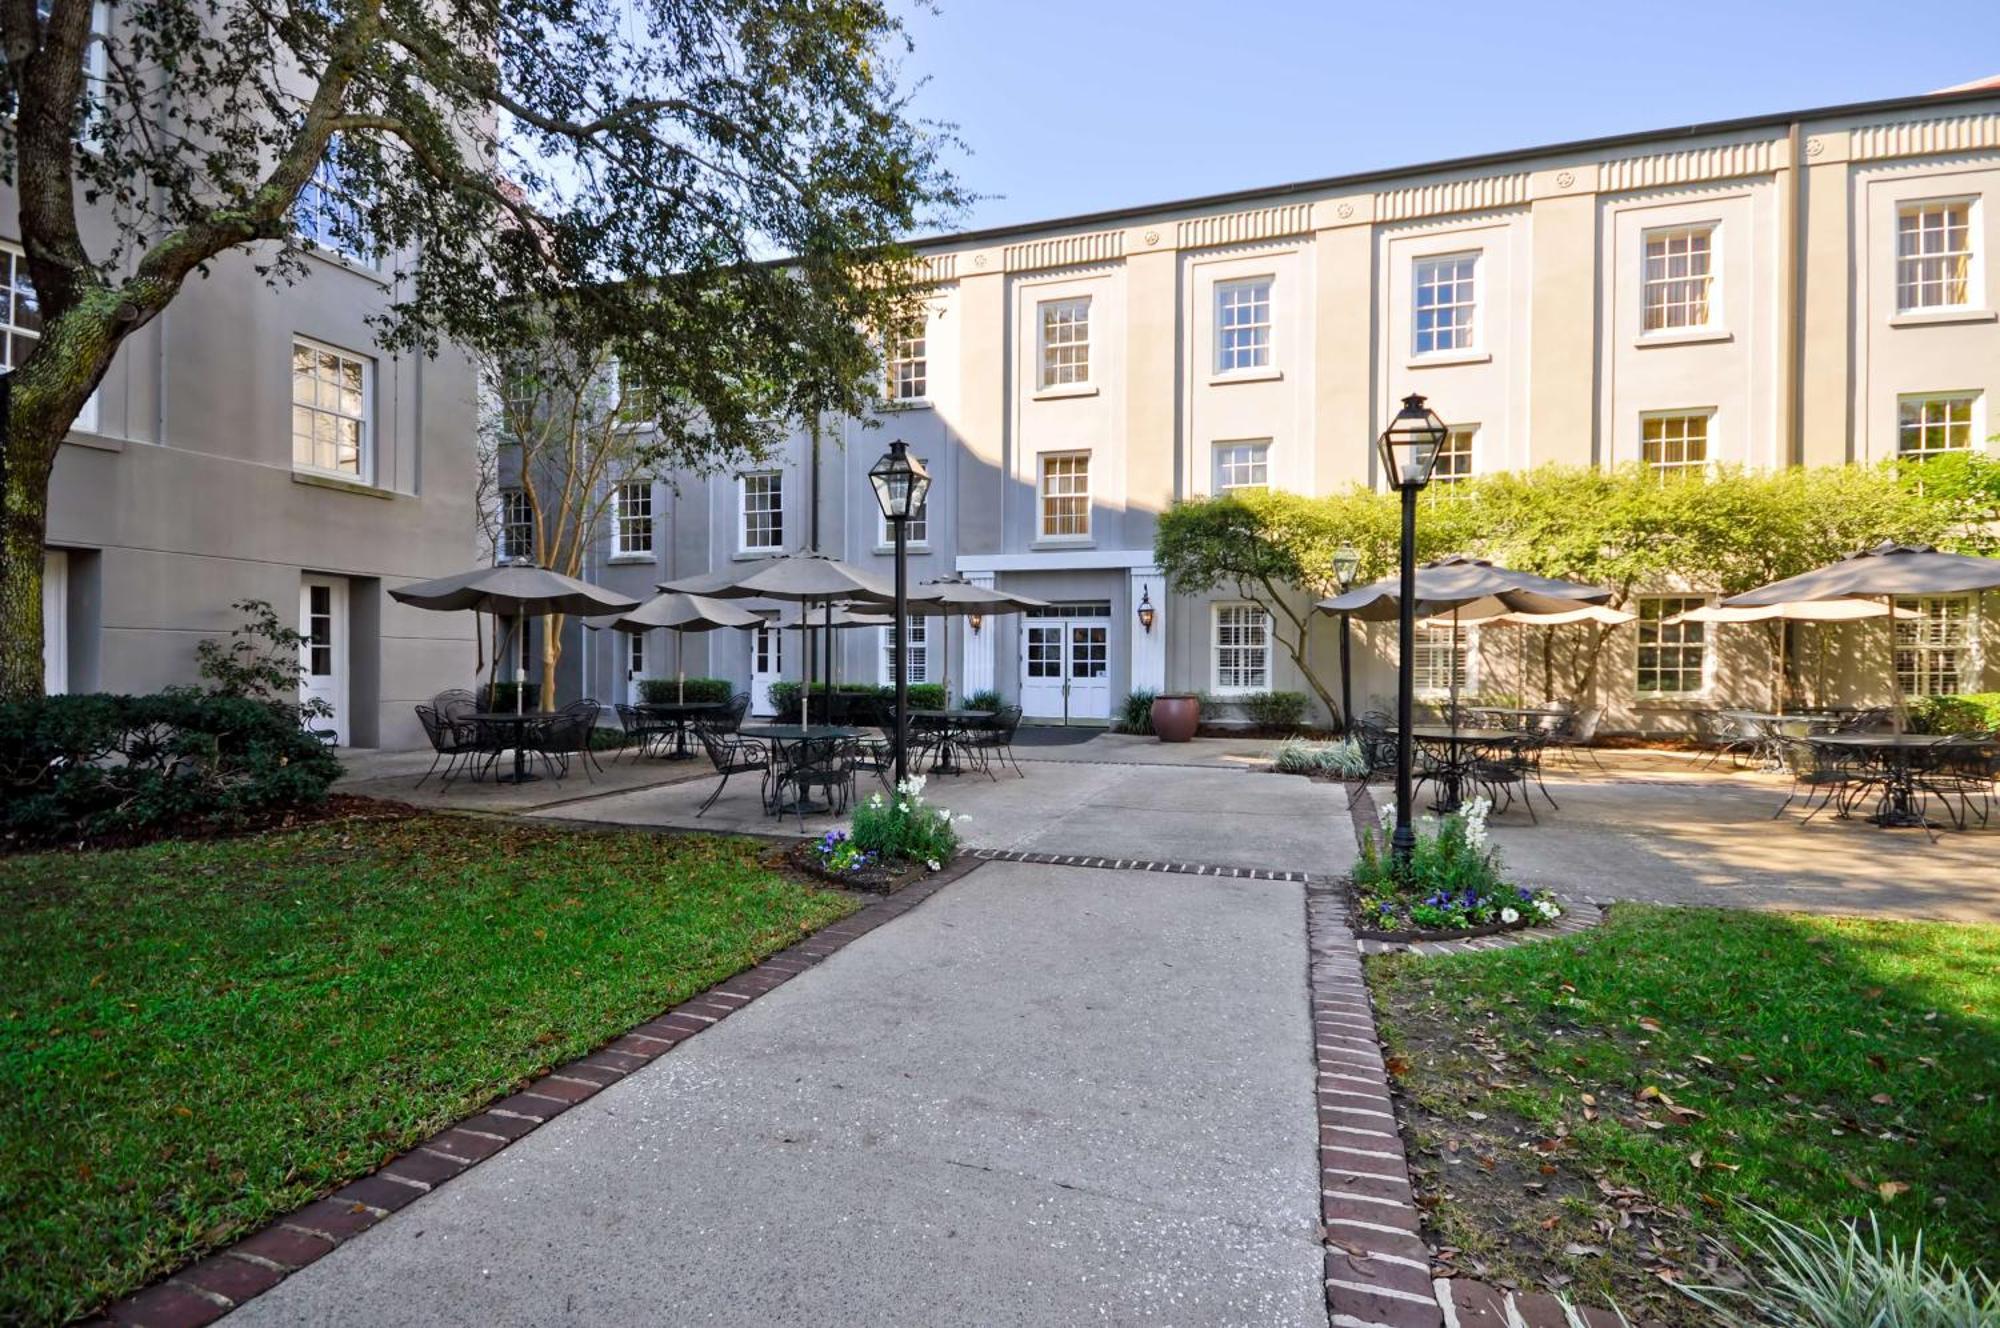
1814 611
1469 587
1883 572
682 613
801 578
512 590
1599 614
955 597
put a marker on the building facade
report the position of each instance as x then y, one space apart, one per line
1817 288
252 443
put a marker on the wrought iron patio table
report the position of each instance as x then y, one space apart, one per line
1527 715
950 727
781 736
679 713
514 726
1454 752
1901 805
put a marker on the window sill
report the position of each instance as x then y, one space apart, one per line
1928 317
1683 336
334 258
1245 376
893 407
752 555
1670 701
1064 542
340 484
1066 390
96 441
913 548
622 559
1439 359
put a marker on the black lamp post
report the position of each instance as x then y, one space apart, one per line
1409 453
1346 564
901 483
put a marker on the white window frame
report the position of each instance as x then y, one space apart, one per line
1910 634
1680 643
515 515
638 401
1666 286
1663 469
919 659
917 530
364 470
323 199
1460 440
1245 616
1421 271
1253 353
1043 496
906 368
743 486
1230 472
1433 640
623 519
17 340
635 655
1914 263
1055 371
1975 431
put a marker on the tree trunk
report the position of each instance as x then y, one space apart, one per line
551 656
25 464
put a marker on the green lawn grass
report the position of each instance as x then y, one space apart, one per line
1818 1067
195 1037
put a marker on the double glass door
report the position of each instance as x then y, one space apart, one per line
1066 663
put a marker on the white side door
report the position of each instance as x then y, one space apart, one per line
323 655
55 621
767 665
1090 669
1044 645
633 649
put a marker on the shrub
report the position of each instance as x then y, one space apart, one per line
1276 710
260 661
1343 758
1454 878
1842 1279
665 691
503 700
83 767
924 695
986 700
1976 713
905 828
1135 715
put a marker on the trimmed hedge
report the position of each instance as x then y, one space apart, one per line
501 696
1276 710
83 767
784 696
662 691
1978 712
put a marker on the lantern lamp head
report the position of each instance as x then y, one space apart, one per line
900 481
1411 443
1346 564
1146 613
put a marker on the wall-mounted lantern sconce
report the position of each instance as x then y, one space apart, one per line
1146 610
976 619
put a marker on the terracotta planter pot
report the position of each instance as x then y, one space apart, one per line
1175 718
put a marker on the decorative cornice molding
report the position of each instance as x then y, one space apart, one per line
1721 162
938 268
1242 227
1480 194
1920 138
1065 251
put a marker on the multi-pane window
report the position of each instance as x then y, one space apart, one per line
1674 444
1679 270
638 400
1933 255
908 369
517 526
1065 342
1242 648
635 655
917 529
1934 648
1673 657
1065 495
1454 459
1926 426
763 510
1242 325
1242 466
1439 658
918 660
1447 301
328 213
330 391
632 518
19 308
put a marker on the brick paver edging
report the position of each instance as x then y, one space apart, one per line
1146 864
205 1291
1577 915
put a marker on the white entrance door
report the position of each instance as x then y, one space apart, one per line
1066 663
323 655
767 665
55 621
635 665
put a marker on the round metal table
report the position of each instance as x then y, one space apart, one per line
1453 752
1900 805
779 735
950 725
515 723
680 712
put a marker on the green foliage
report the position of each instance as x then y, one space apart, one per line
1342 758
82 767
663 691
1275 710
1823 1278
1454 878
1974 713
506 697
985 700
261 661
1966 486
923 695
905 828
1135 712
171 1008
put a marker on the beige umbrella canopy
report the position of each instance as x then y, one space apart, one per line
681 613
955 597
1798 610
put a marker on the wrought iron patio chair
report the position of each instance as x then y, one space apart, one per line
733 754
1831 774
451 743
1961 767
809 764
642 732
567 734
993 739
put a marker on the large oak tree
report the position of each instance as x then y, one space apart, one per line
637 163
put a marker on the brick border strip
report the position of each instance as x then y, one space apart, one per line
1577 915
1147 864
217 1283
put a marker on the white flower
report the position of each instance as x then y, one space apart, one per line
875 801
964 816
911 787
932 864
944 814
1387 815
1509 916
1547 908
903 807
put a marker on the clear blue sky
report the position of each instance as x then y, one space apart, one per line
1071 106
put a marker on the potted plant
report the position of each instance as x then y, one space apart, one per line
1176 715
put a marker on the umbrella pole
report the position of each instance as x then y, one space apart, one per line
1451 667
1895 675
680 674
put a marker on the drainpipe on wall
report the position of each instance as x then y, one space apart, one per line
1791 293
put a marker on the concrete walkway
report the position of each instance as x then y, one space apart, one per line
1045 1096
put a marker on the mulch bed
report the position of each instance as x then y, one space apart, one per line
884 879
335 807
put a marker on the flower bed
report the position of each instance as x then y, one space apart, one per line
892 842
1454 888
